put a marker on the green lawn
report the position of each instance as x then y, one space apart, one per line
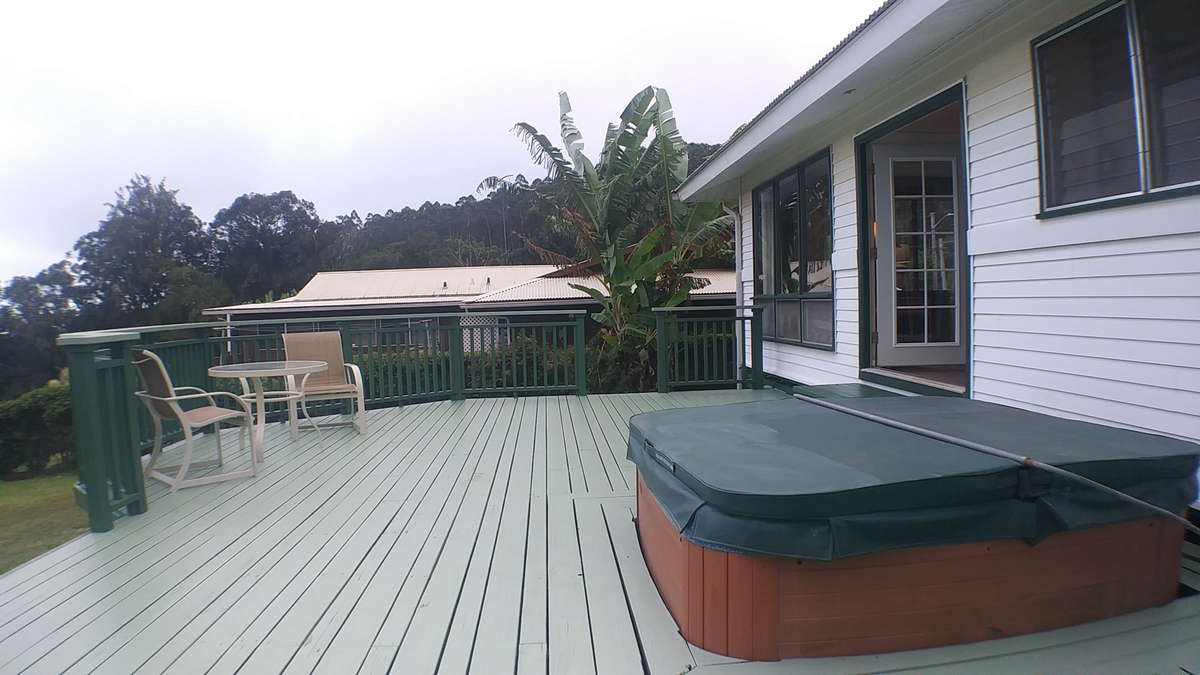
35 516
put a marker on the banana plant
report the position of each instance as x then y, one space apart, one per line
623 211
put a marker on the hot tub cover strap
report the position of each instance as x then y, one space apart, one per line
792 479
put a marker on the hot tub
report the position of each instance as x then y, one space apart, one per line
780 529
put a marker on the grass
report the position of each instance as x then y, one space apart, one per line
35 516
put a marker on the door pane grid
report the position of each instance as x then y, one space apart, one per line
926 249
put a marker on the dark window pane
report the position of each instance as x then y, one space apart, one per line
1171 58
1086 93
910 251
939 215
767 282
787 320
941 325
941 252
818 322
768 318
788 217
940 288
939 178
906 177
818 229
910 326
910 289
908 214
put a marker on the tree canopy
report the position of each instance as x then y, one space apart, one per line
153 260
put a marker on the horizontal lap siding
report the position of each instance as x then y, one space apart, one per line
1094 316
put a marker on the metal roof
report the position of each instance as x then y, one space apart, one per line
446 286
720 282
384 289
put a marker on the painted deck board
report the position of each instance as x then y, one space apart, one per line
481 536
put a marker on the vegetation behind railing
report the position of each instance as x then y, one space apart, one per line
699 349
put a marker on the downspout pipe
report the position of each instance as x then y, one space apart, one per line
739 293
1002 454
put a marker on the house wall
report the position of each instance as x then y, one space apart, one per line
1094 316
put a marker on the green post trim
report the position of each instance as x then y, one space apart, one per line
458 378
125 440
347 356
89 449
580 357
347 343
660 320
756 347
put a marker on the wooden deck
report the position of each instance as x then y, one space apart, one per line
484 536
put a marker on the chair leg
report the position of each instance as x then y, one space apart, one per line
158 443
360 420
187 458
220 452
315 426
293 423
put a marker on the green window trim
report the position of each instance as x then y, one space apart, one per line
1148 34
793 251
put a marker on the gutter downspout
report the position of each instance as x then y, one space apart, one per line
740 353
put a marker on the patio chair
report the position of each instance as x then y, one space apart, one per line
164 401
341 381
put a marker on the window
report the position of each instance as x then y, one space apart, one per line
1119 102
793 242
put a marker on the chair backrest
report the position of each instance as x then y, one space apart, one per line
324 346
156 381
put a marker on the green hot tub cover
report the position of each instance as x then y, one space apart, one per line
795 479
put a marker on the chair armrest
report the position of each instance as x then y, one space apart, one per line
209 395
355 374
198 392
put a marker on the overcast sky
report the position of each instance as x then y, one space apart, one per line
353 106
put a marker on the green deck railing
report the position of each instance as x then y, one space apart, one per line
697 347
403 359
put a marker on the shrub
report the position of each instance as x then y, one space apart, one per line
34 429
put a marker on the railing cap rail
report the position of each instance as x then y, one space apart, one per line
135 333
707 308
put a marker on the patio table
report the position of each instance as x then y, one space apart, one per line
255 372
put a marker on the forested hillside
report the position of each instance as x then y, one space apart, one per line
152 260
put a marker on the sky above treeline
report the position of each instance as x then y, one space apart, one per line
364 106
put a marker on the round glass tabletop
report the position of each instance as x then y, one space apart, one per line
267 368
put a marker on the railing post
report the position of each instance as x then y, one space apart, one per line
580 357
130 473
660 321
756 347
458 380
347 343
89 443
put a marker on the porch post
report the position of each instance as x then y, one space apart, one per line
756 347
580 357
660 320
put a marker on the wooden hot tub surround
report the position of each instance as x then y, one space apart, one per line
763 607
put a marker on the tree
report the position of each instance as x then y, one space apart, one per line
34 311
626 219
266 244
123 266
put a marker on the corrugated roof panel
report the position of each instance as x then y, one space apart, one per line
432 282
533 290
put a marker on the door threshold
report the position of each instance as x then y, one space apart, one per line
897 378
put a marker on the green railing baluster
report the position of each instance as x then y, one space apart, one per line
457 365
580 358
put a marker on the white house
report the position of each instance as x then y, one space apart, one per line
991 198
